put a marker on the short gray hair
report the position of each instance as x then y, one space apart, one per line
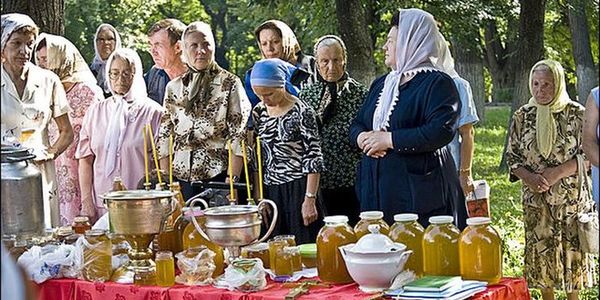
328 41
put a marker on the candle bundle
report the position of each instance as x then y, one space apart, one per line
151 135
259 163
230 162
146 156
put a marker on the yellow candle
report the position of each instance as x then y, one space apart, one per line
259 159
230 167
151 135
146 156
171 159
246 169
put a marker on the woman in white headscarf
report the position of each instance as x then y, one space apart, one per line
106 40
31 98
59 55
408 118
111 142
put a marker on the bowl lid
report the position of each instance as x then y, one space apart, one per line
308 250
376 242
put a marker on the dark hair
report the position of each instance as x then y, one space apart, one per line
267 25
395 19
173 27
40 45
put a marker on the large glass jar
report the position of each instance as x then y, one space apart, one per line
192 238
260 251
480 249
330 263
408 231
440 247
97 256
367 218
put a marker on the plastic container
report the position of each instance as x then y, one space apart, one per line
330 263
192 238
367 218
480 250
97 256
440 247
408 231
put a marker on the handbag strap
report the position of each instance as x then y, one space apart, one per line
581 175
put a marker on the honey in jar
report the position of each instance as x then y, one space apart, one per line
192 238
440 247
367 218
275 246
480 250
284 262
288 238
260 251
294 252
81 224
171 238
97 256
165 268
145 276
330 264
408 231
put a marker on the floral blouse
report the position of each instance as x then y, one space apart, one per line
290 143
340 157
200 138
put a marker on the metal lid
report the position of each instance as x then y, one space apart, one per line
81 219
406 217
371 215
11 154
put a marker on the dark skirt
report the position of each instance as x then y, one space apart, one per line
289 198
342 201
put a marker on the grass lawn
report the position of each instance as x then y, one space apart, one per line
505 200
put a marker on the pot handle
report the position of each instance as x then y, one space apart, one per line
193 202
174 205
273 222
21 158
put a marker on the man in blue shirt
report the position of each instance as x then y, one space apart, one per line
165 48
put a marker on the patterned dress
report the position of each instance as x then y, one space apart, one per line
80 97
552 255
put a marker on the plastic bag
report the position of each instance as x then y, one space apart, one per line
51 261
245 275
97 259
196 265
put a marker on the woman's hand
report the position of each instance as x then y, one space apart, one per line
466 182
88 209
536 182
552 175
360 140
376 142
309 211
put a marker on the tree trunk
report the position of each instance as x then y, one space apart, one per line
469 65
531 50
49 15
500 61
352 25
218 22
587 76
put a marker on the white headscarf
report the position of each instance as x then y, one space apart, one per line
445 62
97 63
13 22
137 92
417 50
203 28
65 60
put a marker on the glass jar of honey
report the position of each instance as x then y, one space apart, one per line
367 218
192 238
288 238
331 266
260 251
480 250
440 247
165 268
171 238
97 256
275 246
81 224
294 252
284 264
144 275
408 231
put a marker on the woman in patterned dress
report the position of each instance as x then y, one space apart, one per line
59 55
545 152
292 158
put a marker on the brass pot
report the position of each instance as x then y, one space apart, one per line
137 212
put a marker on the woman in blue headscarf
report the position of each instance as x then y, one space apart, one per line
289 140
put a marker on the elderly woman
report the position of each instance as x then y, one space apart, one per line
277 40
205 108
408 118
106 40
336 98
111 141
591 139
59 55
545 152
289 139
31 98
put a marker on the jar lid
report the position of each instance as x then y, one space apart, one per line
478 221
371 215
291 249
406 217
257 247
64 230
94 232
335 219
376 242
441 219
308 250
81 219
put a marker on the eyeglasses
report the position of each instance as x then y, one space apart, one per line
114 75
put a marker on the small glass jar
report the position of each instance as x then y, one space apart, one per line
144 276
274 247
288 238
440 247
284 265
97 256
367 218
408 231
81 224
63 232
480 250
165 268
294 252
260 251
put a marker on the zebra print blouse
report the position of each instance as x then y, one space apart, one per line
290 144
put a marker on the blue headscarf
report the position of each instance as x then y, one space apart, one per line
274 72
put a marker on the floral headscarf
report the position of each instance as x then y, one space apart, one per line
288 38
65 60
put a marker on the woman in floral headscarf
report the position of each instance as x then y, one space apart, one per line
59 55
408 118
106 40
545 152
